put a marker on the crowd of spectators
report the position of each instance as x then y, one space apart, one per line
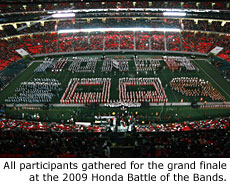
127 40
157 41
33 44
65 24
220 123
50 26
142 40
60 24
188 41
40 144
81 42
224 41
34 126
7 52
65 42
112 40
203 42
173 41
77 23
50 42
10 124
189 144
96 41
37 47
207 138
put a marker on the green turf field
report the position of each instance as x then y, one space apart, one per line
206 71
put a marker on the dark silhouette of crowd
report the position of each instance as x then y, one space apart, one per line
204 138
60 5
20 138
19 143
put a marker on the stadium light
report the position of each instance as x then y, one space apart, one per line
63 15
174 13
118 30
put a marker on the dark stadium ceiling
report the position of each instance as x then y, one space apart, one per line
8 17
59 1
38 15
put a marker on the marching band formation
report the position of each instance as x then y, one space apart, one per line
90 66
47 63
121 64
195 87
40 90
156 95
107 65
50 63
58 67
146 64
174 63
72 96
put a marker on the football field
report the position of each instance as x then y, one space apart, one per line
206 71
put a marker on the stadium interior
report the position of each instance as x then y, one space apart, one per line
98 78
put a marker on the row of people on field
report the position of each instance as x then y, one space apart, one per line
39 90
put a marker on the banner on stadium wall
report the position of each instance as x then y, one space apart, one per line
216 50
22 52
